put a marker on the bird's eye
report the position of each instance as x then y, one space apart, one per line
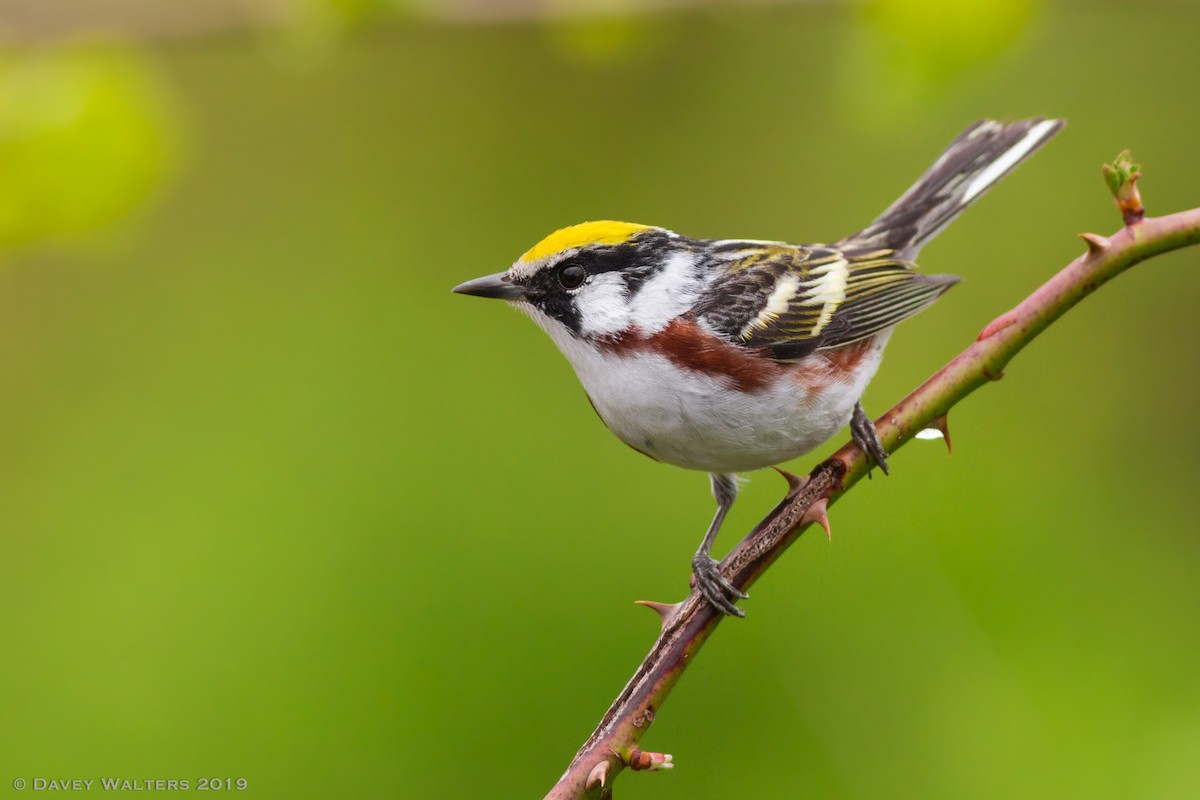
571 275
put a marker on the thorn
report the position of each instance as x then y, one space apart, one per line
943 424
818 512
664 610
598 775
938 429
640 760
1096 243
995 326
795 482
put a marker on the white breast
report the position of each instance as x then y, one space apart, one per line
700 421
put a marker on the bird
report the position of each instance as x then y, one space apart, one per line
731 355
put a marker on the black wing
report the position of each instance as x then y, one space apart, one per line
792 301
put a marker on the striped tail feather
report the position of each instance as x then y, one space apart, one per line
979 157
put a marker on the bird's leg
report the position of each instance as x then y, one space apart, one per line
709 580
866 437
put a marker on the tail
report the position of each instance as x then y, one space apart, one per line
978 158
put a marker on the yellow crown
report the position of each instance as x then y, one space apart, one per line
585 233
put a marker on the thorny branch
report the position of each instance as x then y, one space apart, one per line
614 745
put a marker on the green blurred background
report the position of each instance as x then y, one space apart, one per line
275 505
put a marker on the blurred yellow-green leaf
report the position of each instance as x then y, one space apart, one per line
87 132
906 53
603 38
937 39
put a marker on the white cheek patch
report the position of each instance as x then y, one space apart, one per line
603 307
667 294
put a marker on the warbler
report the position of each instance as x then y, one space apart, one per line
730 355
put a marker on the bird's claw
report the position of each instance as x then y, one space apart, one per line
862 430
716 589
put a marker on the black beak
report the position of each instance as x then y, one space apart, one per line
497 286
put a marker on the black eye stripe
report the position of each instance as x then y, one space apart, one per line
616 258
637 260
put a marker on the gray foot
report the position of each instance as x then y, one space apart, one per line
718 591
865 436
